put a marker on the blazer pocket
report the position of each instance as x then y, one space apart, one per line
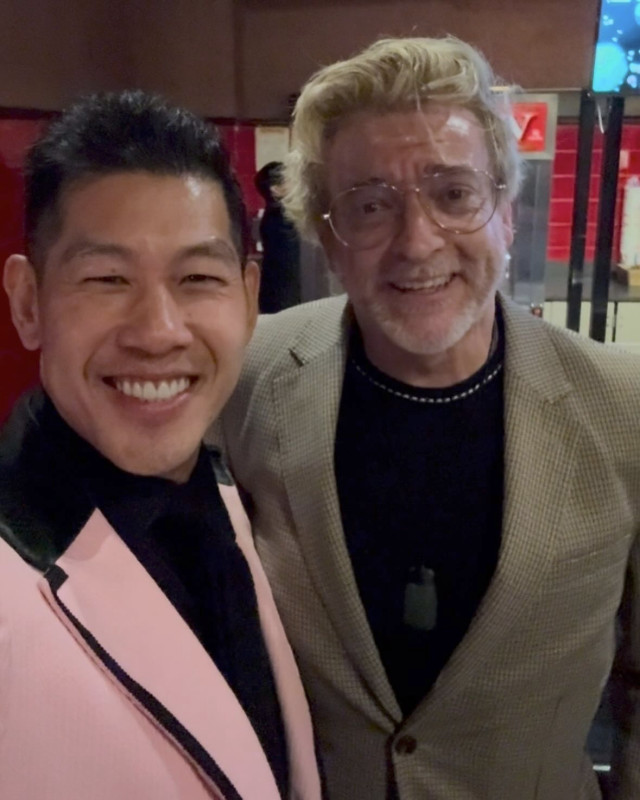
618 551
605 564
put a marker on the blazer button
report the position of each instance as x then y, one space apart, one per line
405 745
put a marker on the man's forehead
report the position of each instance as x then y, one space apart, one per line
124 225
437 130
429 122
124 184
141 204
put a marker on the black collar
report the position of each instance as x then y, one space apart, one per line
43 503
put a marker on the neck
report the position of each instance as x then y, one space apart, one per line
435 370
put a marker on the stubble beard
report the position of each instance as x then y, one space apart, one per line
414 337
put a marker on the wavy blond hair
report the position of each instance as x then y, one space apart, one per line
391 75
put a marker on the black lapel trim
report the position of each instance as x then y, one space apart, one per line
220 469
56 576
44 506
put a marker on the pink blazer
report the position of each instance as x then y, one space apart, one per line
106 694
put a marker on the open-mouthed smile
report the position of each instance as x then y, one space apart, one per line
152 391
428 285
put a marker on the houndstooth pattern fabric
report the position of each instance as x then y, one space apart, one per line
508 716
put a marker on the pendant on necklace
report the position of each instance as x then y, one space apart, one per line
421 600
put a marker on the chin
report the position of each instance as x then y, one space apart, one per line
154 465
431 338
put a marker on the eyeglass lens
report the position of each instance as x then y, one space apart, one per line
460 201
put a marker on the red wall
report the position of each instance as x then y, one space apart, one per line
563 181
18 368
240 139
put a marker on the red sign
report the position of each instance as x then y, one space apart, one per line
531 126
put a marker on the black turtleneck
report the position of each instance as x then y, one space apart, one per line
419 477
182 535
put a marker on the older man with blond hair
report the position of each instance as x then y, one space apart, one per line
445 490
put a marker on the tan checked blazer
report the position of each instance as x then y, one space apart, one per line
508 716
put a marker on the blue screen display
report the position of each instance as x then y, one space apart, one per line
616 67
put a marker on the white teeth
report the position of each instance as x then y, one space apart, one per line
150 391
432 283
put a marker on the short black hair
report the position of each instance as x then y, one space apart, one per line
268 176
114 132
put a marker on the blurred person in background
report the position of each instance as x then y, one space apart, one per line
280 267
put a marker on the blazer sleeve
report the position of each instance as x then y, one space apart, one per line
625 687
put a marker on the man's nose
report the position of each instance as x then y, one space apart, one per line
418 235
156 322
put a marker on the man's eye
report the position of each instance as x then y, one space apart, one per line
371 207
459 197
201 277
110 280
456 193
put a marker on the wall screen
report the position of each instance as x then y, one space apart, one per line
616 68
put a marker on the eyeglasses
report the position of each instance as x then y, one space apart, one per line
460 200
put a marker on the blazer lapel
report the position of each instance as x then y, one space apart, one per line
540 440
123 620
303 770
307 400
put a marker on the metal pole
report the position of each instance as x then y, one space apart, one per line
606 219
580 209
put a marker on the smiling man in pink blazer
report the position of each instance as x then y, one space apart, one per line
141 654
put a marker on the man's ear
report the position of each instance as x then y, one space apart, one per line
21 286
251 278
506 217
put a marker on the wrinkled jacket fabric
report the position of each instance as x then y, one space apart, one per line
508 716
